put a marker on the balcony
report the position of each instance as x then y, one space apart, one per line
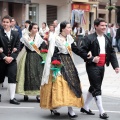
86 1
80 0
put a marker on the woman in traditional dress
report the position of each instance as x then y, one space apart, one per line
65 90
43 29
30 69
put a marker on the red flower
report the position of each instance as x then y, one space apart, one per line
56 62
47 33
44 51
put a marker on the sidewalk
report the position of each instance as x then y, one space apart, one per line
111 81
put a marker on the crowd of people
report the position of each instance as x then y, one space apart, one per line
39 62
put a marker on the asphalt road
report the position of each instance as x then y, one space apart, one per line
31 111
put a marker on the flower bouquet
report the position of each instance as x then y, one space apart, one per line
55 67
43 55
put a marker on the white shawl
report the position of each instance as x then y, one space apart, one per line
54 42
26 41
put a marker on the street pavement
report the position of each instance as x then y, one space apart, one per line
31 111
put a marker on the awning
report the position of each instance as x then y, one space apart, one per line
18 1
80 0
85 1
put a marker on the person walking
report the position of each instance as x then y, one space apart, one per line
30 69
15 27
26 27
9 40
43 29
102 53
62 87
57 26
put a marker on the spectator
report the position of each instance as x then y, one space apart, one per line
27 23
15 27
43 29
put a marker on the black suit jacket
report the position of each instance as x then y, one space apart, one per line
6 44
90 43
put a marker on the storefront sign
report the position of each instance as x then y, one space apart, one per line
85 7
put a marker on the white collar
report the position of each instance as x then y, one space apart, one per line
7 32
100 35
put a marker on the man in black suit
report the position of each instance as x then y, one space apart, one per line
9 40
103 53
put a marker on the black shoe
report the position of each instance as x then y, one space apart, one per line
14 101
104 116
72 116
0 97
26 98
38 98
55 112
87 112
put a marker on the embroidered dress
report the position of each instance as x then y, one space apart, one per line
66 89
30 69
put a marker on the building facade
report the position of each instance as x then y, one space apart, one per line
48 10
90 11
14 8
104 13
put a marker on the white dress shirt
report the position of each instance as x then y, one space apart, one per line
8 33
101 40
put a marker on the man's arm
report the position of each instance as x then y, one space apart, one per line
82 50
17 46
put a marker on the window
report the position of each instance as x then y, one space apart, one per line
34 13
51 14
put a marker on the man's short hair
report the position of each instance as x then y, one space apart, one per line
7 17
98 21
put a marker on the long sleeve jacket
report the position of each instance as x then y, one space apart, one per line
8 44
90 43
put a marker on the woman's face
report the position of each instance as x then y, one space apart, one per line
34 29
43 25
67 29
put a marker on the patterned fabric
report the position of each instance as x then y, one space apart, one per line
33 71
29 74
58 94
70 74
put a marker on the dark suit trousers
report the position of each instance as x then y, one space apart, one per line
95 75
9 70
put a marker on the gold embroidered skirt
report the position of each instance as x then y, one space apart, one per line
58 94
